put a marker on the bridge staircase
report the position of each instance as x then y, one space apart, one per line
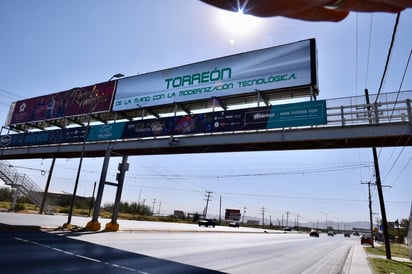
26 186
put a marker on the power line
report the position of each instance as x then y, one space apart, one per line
259 174
388 56
369 50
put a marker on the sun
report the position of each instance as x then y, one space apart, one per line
236 24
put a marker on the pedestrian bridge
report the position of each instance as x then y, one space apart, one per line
351 123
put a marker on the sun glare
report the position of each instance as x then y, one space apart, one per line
236 24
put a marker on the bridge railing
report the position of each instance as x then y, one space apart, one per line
355 111
347 111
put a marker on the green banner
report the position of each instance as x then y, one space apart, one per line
298 114
106 132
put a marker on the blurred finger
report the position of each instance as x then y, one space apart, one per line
320 14
370 6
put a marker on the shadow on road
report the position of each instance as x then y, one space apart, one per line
30 250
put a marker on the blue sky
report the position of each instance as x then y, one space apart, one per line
51 46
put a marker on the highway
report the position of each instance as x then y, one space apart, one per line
153 247
237 252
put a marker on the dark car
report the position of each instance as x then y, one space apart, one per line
314 233
331 233
234 224
366 239
346 234
207 222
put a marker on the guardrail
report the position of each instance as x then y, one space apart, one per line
376 113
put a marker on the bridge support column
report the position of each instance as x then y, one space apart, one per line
123 167
94 225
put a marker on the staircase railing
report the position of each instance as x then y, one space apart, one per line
10 176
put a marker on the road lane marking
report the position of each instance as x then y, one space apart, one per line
79 256
88 258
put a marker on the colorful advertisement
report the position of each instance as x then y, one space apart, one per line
279 116
57 136
281 67
74 102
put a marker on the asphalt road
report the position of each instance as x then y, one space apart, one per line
165 248
42 252
237 252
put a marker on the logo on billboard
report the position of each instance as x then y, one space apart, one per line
5 140
22 107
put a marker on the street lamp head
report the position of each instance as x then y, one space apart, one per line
117 75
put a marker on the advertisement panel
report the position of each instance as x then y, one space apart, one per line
105 132
77 101
286 66
279 116
57 136
298 114
232 214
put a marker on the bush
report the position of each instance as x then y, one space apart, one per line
19 207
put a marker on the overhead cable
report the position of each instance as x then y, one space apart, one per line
388 56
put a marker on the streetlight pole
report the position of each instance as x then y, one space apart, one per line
69 218
46 190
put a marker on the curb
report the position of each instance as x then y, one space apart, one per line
348 262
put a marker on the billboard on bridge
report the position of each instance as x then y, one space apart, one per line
278 116
276 68
77 101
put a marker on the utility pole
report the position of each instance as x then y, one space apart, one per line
143 209
158 210
138 201
297 222
220 210
154 202
263 217
208 198
379 186
243 217
287 218
370 212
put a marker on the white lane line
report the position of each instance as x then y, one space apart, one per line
88 258
79 256
56 249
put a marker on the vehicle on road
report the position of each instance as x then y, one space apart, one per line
207 222
234 224
331 233
314 233
346 234
366 239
